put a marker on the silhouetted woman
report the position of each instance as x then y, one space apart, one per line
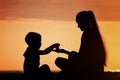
89 62
92 54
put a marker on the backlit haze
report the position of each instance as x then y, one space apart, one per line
55 21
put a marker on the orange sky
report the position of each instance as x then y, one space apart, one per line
58 10
65 32
55 21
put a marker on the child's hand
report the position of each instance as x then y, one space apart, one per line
53 47
56 47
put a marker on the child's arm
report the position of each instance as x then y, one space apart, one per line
50 48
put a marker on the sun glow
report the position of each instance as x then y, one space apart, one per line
64 32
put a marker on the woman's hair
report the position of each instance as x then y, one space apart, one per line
95 27
82 17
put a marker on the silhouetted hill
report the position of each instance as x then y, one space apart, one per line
15 75
18 75
112 75
11 75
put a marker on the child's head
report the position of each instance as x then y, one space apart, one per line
33 39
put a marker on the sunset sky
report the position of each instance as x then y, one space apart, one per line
55 21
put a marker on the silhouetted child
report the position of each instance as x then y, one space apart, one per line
32 58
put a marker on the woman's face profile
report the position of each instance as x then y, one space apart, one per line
83 25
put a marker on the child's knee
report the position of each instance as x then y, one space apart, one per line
45 67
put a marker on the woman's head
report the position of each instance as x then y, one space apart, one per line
85 20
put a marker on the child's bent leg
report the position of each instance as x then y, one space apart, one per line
45 68
45 72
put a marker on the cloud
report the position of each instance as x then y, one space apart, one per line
58 9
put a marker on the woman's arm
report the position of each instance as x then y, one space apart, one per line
65 51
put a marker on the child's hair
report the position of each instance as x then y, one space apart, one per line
32 37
